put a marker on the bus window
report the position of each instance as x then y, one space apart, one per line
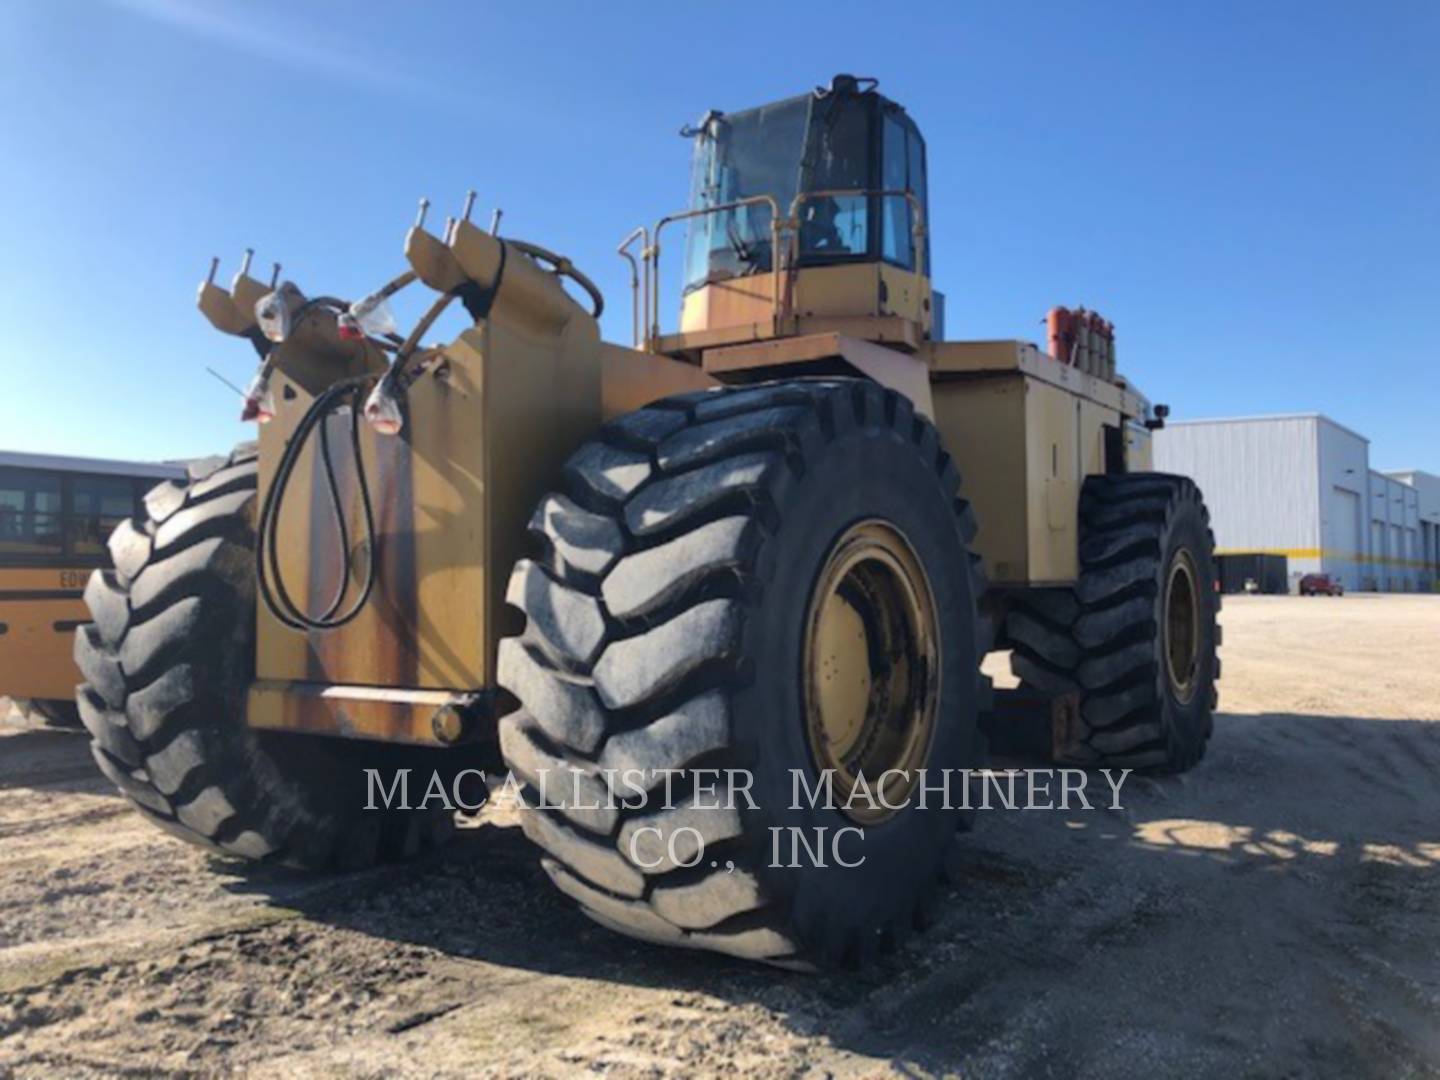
29 513
56 516
97 505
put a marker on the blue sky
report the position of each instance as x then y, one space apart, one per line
1250 191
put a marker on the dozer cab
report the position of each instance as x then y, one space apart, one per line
670 589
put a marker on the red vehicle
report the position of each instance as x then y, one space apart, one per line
1321 585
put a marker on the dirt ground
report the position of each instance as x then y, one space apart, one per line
1274 913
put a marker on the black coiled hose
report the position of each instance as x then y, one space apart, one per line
276 597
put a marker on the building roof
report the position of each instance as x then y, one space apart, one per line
1267 418
159 470
1392 478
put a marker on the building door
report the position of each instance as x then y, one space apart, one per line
1344 541
1377 554
1396 570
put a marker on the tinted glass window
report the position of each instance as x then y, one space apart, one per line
898 237
837 158
917 185
838 142
750 153
97 505
29 513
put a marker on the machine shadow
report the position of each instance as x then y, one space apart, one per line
53 760
485 899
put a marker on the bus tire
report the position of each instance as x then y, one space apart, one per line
54 711
167 662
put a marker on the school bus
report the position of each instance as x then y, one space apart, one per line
55 515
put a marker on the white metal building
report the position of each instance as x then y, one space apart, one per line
1302 486
1426 487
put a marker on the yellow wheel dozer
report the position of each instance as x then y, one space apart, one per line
711 605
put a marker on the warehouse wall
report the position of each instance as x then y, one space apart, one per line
1414 553
1259 477
1342 482
1302 486
1395 524
1427 499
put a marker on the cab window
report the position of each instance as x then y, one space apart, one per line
738 157
899 230
837 159
903 169
916 175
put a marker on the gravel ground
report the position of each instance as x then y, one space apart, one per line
1274 913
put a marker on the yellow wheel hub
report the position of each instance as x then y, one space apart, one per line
871 670
1182 626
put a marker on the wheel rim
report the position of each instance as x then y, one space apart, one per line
871 669
1182 626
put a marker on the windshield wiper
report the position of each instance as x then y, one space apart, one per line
742 250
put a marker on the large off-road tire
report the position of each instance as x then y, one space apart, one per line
671 608
1136 638
166 665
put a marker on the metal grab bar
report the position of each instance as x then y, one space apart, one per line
638 319
654 250
645 278
918 230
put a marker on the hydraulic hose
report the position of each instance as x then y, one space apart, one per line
273 592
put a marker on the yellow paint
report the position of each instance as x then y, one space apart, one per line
869 289
1328 553
39 639
1024 446
487 433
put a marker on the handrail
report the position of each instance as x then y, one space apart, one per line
783 260
637 323
881 193
917 230
654 251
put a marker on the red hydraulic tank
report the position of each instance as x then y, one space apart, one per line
1060 323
